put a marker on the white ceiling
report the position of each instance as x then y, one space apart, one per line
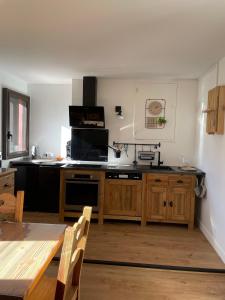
52 40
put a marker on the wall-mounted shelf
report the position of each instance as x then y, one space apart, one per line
215 110
154 145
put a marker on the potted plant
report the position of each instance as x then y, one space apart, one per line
162 121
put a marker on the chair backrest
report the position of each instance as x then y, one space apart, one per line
68 280
11 207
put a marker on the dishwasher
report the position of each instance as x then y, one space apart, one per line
123 175
123 195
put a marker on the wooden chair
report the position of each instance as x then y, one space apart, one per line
11 207
67 284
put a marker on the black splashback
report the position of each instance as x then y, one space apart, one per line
89 144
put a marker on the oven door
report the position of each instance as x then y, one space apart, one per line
80 193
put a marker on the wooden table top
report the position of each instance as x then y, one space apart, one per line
26 250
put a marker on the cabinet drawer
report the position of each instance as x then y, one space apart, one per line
157 179
180 181
7 190
6 183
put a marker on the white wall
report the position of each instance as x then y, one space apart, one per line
14 83
210 157
49 128
112 92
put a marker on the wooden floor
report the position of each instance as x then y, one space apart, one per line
153 244
120 283
169 245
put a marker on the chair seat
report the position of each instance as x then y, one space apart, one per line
45 290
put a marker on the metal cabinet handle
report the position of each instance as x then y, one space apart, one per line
180 181
164 203
157 180
171 203
6 185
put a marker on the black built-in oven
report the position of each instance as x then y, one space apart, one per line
81 190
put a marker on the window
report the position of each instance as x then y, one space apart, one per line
15 124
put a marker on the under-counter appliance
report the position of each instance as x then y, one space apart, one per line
123 175
81 190
89 144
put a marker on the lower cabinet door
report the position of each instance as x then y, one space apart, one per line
179 202
156 203
123 197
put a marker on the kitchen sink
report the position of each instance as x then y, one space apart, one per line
148 167
51 164
166 168
87 166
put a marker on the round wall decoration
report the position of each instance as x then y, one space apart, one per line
155 108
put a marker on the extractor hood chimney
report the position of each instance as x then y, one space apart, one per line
89 91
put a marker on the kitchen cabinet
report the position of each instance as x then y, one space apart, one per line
123 199
215 110
48 188
40 185
26 179
178 205
157 204
7 182
170 199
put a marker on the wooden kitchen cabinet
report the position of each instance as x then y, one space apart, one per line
173 201
157 203
215 110
7 181
178 204
123 199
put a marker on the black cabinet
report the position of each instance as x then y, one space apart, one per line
26 179
40 184
48 188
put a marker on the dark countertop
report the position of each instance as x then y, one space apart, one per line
133 168
107 167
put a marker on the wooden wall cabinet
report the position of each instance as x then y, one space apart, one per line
123 199
170 199
215 110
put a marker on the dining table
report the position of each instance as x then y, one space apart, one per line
26 250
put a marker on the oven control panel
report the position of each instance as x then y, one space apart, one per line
123 175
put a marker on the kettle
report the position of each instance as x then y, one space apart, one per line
34 151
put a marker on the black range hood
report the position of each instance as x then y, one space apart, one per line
89 115
89 91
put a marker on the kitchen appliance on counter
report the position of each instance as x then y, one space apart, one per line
34 152
80 190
